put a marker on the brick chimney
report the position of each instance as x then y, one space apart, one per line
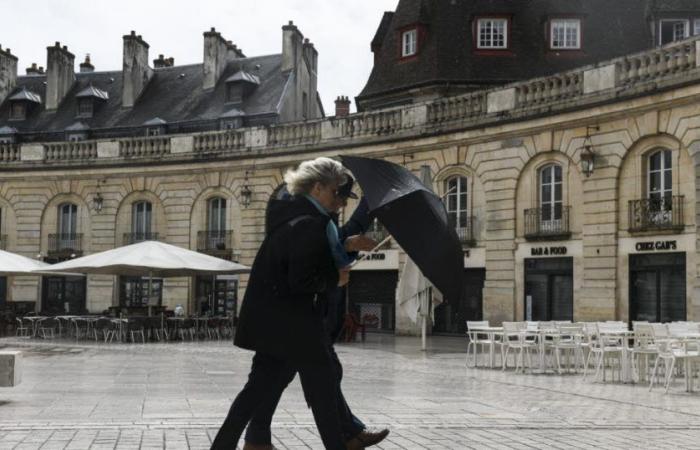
60 74
135 70
34 70
86 66
342 106
233 51
215 56
292 47
8 73
162 61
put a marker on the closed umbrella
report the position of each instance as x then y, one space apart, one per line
415 217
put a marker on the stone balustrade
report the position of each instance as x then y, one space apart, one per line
219 141
145 147
9 152
68 151
658 68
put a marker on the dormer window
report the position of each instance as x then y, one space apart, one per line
232 119
492 33
672 30
85 107
18 111
77 132
89 99
565 34
240 85
409 40
155 127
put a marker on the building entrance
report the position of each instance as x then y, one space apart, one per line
451 317
549 289
63 295
372 297
657 287
216 296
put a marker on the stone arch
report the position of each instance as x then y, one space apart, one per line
123 217
527 190
198 214
49 220
476 197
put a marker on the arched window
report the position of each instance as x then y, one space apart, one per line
216 216
660 179
550 192
141 213
457 201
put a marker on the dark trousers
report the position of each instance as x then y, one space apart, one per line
258 431
318 381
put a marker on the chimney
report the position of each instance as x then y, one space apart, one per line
311 56
34 70
8 73
162 61
215 53
60 74
342 106
86 66
292 42
135 70
233 51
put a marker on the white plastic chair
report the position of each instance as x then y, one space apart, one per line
476 339
515 337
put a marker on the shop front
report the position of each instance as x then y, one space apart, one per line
63 295
216 295
450 317
371 292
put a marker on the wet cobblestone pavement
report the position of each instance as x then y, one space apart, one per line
77 395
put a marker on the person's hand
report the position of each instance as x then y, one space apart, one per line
359 242
343 276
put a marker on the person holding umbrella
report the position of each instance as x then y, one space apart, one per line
258 434
281 316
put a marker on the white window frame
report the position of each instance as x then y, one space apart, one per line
663 172
696 27
686 24
566 24
67 219
409 42
217 210
553 222
461 183
481 22
141 217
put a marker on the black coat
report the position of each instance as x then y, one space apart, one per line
292 272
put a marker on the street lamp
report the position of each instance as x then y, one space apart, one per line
97 202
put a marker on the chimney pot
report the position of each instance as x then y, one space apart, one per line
58 44
7 50
133 33
342 106
213 30
291 22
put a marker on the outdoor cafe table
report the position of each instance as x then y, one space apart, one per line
541 334
491 333
35 320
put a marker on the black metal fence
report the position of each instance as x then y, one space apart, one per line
547 223
65 244
650 214
217 242
133 238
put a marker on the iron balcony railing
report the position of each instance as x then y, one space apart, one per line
65 244
133 238
465 230
547 223
216 242
652 214
3 242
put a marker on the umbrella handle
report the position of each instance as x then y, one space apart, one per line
361 257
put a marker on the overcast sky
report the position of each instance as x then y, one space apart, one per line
340 30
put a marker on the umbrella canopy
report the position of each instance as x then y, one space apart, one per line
152 258
415 217
14 264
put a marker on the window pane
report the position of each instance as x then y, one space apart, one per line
557 193
557 174
667 159
546 193
546 211
655 161
546 175
668 178
557 211
654 182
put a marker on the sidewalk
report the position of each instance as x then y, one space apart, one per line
175 395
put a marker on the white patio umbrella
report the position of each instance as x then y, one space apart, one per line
14 264
152 258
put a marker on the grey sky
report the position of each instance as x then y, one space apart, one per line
340 30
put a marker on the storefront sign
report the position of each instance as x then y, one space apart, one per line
655 245
379 260
546 251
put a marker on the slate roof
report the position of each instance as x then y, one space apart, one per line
448 56
92 91
174 94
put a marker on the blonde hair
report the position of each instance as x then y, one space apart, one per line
320 170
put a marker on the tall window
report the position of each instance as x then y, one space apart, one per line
409 41
67 220
457 200
85 107
492 33
551 193
565 34
696 30
660 179
217 215
141 220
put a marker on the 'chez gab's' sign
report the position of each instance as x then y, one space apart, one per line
655 245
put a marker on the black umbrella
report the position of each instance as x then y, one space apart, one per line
415 217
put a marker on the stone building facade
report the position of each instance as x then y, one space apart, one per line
577 190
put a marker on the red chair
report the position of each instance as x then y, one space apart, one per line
351 325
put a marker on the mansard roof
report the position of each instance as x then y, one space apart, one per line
92 91
447 54
174 94
26 95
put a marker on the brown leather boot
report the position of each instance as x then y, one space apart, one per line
249 446
369 437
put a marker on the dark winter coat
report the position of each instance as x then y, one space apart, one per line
292 272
